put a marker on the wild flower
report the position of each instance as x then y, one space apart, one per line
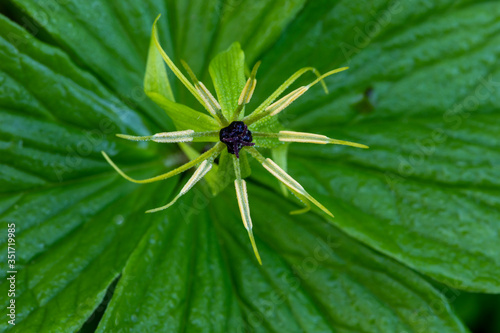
228 127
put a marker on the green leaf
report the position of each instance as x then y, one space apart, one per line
238 23
76 234
69 221
196 24
55 118
72 78
310 268
156 78
425 191
107 39
157 88
183 116
228 75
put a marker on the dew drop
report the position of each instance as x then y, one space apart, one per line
118 219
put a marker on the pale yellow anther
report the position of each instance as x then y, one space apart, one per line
243 94
241 194
291 183
252 89
282 176
247 92
165 137
208 98
289 136
202 170
171 137
284 102
175 137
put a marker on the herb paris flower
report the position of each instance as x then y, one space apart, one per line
228 127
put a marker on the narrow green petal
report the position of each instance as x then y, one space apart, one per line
174 68
268 109
302 199
327 74
157 88
212 152
281 89
156 77
210 101
171 64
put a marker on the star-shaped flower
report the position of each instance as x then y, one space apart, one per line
233 131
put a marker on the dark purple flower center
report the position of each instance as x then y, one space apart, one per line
235 136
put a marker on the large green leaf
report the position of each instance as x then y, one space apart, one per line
312 277
80 235
111 40
66 226
55 118
79 227
425 192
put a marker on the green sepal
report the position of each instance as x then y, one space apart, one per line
227 70
157 88
183 116
267 125
156 77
